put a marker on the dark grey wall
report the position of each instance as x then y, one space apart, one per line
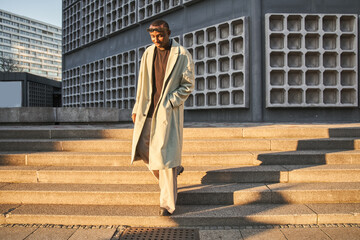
309 114
28 78
204 13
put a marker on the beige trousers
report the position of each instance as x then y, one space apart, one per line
167 178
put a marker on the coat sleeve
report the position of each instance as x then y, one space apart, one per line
139 84
187 82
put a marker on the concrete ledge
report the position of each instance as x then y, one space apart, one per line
9 114
63 115
29 115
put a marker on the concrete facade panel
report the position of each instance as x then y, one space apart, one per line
318 67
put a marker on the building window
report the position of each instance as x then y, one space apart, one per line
36 65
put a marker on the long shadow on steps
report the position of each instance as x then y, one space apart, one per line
243 210
236 210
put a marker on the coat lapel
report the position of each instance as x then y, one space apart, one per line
150 63
174 53
150 60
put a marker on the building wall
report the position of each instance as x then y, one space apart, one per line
36 91
35 46
255 60
10 94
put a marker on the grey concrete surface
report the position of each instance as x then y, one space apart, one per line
299 234
51 233
262 234
63 115
93 234
16 233
219 234
189 216
273 232
350 233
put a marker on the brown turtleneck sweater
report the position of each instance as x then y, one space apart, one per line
158 74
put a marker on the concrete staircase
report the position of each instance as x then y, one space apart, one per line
264 174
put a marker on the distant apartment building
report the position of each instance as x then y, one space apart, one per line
35 46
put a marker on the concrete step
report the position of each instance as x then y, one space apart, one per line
189 133
237 158
61 158
16 133
50 132
203 215
255 158
201 132
294 193
307 157
191 175
90 145
203 145
290 144
200 194
250 174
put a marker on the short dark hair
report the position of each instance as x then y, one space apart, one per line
160 22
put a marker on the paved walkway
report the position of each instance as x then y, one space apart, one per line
286 232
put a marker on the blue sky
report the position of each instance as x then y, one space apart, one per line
48 11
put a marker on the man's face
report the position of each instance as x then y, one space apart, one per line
160 36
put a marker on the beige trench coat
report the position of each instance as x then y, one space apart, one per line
166 135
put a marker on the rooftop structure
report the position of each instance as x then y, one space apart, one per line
28 90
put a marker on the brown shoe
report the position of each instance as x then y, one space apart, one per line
164 212
179 170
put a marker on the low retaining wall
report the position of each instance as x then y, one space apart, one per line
50 115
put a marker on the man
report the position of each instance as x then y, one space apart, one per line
166 79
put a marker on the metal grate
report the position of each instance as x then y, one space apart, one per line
160 234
